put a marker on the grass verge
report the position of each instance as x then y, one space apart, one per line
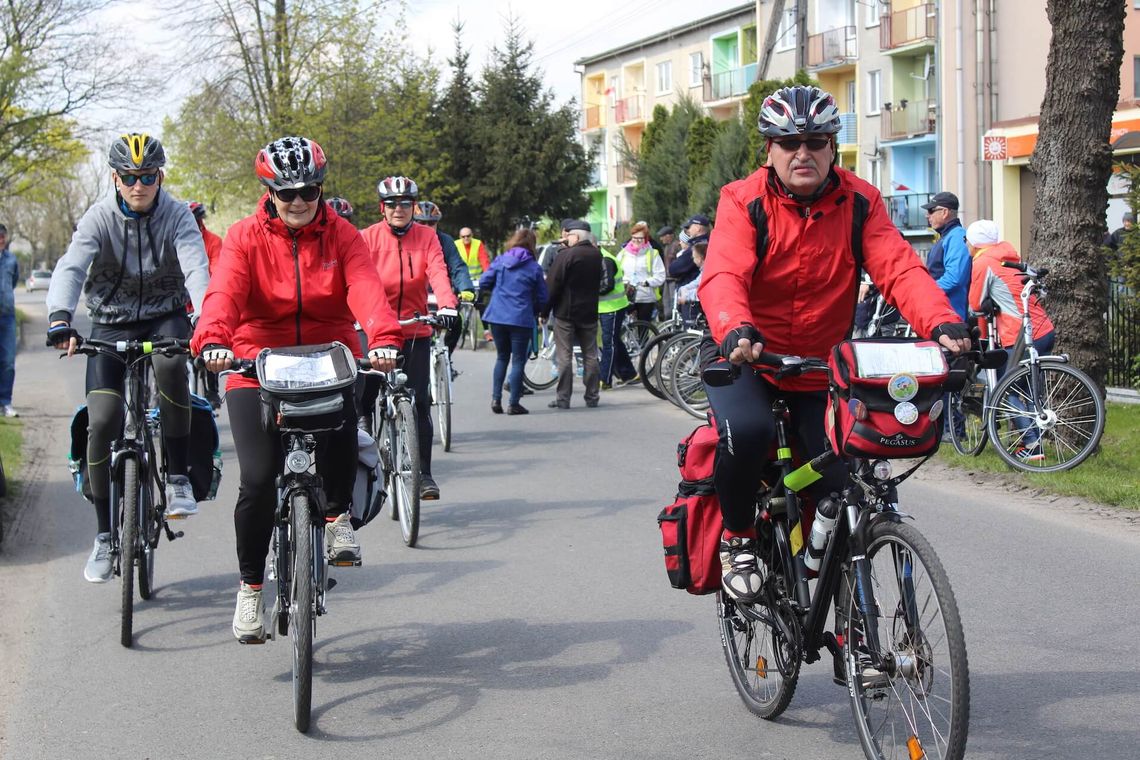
11 440
1107 477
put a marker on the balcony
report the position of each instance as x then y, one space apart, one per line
732 83
630 109
906 211
909 118
908 27
833 47
594 117
626 174
848 129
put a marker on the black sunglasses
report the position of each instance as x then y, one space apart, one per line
130 179
308 193
812 143
402 203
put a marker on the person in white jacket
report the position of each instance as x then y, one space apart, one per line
644 272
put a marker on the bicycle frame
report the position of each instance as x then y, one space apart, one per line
299 475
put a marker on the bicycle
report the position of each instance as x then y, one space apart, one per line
472 324
898 643
305 388
137 471
541 369
440 379
967 407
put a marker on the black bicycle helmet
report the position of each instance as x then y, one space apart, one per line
135 151
289 163
197 209
426 211
799 110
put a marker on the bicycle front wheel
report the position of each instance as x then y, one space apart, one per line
916 701
406 471
128 547
540 371
442 397
966 417
635 334
1056 432
150 531
301 618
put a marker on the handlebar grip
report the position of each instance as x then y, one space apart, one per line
1018 265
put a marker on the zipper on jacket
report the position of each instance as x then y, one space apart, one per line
138 309
297 274
400 298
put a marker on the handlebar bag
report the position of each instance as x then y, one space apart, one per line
305 388
886 397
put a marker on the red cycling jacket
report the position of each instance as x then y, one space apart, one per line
989 279
273 288
213 246
407 265
802 299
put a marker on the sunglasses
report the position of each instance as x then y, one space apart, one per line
130 179
637 239
308 193
812 143
393 203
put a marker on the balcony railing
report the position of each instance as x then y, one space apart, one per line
906 210
630 109
917 24
625 173
594 117
732 83
909 119
848 129
832 47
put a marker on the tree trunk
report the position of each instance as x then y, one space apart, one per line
1072 162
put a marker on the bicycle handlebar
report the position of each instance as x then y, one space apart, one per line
1028 271
164 346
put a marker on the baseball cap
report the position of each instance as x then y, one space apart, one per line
703 220
943 199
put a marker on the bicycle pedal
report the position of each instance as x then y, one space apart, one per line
252 640
176 517
345 563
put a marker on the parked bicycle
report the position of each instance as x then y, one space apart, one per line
138 471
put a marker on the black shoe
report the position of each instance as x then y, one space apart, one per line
214 399
559 404
517 409
592 404
527 391
497 407
429 491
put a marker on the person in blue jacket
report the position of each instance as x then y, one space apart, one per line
948 261
518 294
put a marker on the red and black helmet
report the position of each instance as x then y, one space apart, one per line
341 206
397 187
799 110
426 211
291 162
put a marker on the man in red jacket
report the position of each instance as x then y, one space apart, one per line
795 296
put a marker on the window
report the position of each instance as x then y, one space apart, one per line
874 92
696 64
787 38
664 77
873 13
875 172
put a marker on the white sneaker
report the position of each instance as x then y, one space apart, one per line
9 411
180 497
341 540
248 626
98 568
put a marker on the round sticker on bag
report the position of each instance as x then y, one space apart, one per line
906 413
902 387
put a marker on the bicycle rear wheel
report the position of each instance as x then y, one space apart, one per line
686 384
128 546
405 487
918 703
540 371
442 397
1057 433
301 619
966 417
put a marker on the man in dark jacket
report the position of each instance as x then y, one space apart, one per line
573 284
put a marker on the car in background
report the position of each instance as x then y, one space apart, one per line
39 280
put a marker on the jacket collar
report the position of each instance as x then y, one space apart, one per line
955 222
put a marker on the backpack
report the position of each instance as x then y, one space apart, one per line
691 526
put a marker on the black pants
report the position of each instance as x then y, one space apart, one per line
417 361
747 430
260 458
105 376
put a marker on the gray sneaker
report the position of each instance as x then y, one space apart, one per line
180 497
98 568
248 626
341 541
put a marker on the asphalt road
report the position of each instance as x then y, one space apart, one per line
534 620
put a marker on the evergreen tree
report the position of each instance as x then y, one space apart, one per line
455 114
727 162
703 134
662 192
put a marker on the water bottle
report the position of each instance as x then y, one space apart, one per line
826 514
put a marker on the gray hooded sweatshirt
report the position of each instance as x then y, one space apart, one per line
131 269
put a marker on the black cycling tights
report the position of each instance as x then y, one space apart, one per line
105 377
417 358
260 458
747 430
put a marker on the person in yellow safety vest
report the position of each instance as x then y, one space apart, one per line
612 307
473 252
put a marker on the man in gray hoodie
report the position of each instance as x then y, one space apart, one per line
139 258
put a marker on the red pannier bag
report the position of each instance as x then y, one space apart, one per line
691 525
886 398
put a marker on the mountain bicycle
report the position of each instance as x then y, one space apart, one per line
898 643
137 471
439 384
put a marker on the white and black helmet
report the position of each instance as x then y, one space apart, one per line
397 187
291 162
799 110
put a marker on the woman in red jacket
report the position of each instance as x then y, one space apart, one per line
293 273
409 259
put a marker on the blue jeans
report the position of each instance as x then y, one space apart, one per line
615 359
512 344
7 357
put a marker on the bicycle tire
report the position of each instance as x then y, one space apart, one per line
540 372
635 334
647 363
301 620
475 329
150 531
1073 417
922 709
442 397
406 472
966 418
283 571
666 363
688 388
128 543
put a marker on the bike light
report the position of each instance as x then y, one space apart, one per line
298 461
882 469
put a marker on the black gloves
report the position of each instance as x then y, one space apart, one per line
952 330
732 340
448 319
61 333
